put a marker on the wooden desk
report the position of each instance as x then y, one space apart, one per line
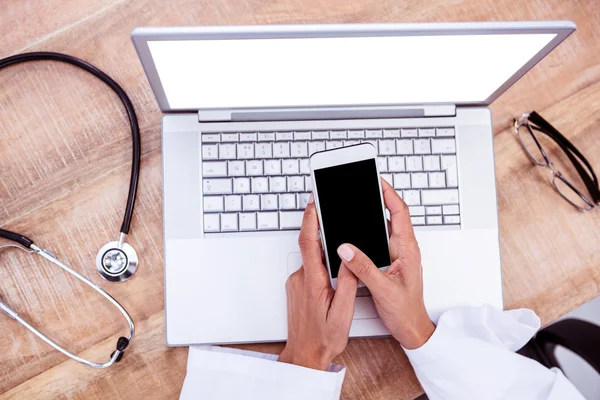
65 159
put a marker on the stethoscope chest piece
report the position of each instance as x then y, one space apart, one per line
116 261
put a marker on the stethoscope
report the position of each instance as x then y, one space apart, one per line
116 261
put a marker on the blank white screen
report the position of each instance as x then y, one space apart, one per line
197 74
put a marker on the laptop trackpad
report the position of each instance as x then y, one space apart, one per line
363 306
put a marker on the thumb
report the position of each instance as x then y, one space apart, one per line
361 266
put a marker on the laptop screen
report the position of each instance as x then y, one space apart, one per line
339 71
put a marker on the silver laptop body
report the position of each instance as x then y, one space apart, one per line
245 106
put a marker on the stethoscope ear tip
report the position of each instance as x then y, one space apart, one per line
117 261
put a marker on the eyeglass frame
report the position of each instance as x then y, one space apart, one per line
524 121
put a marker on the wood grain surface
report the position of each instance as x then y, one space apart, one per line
64 166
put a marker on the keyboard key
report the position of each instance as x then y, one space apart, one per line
213 203
416 210
388 178
211 137
437 210
267 220
426 132
337 135
241 185
229 137
404 146
414 163
212 169
422 146
211 222
248 137
417 220
396 164
303 200
437 220
281 150
373 133
277 184
227 151
272 167
281 136
308 183
290 219
445 132
266 136
402 181
382 164
452 219
295 184
387 147
449 165
412 197
251 202
320 135
217 186
290 167
233 203
437 179
302 136
236 168
391 133
304 166
313 147
419 180
439 196
351 142
260 185
299 149
356 134
334 144
245 150
210 152
287 201
443 146
431 163
247 222
450 210
268 202
263 150
229 222
408 133
254 167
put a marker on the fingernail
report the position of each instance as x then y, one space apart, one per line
311 198
345 252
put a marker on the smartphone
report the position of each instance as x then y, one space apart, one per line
349 201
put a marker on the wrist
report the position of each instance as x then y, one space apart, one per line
416 335
313 360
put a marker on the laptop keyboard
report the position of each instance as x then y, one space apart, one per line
260 181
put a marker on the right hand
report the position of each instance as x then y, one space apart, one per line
398 292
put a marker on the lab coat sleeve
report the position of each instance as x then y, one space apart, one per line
471 356
220 373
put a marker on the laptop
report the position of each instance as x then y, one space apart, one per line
245 107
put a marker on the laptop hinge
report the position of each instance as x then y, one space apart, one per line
326 113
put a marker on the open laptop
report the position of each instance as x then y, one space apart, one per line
245 106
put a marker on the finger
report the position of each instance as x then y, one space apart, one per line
400 224
308 241
343 300
361 266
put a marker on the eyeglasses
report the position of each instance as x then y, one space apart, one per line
525 127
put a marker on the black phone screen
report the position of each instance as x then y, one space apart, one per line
351 211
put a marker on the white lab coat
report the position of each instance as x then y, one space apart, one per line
469 356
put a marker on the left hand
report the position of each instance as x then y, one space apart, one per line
319 317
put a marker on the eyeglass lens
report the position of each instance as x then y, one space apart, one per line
532 146
570 193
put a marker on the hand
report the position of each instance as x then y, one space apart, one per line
398 292
319 318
